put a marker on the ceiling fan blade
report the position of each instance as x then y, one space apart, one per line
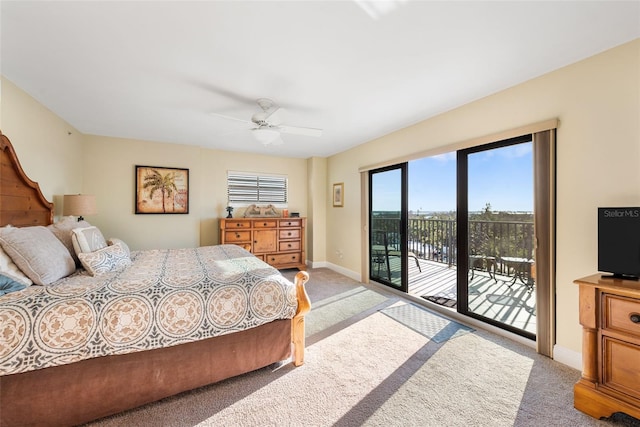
222 116
275 118
277 141
300 131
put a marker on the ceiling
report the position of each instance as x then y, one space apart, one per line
161 71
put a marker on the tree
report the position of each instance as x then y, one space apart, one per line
155 181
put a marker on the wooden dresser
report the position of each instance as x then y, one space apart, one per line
277 241
610 318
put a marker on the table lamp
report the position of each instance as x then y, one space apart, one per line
79 204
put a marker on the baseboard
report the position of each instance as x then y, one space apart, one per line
338 269
567 357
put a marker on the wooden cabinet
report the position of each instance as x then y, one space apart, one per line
610 319
277 241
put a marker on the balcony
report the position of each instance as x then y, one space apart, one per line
501 271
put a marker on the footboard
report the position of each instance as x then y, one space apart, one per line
297 323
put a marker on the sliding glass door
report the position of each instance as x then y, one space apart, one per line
387 226
496 258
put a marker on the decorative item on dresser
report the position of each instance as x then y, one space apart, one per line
277 241
610 318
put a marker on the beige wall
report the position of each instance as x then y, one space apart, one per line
42 139
598 104
109 165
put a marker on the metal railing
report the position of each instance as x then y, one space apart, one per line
435 239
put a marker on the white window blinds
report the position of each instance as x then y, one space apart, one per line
251 188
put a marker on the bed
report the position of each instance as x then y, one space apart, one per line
206 326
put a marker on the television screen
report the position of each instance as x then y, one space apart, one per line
619 241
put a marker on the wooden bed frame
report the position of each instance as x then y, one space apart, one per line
90 389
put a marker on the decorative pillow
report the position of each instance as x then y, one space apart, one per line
87 239
7 284
62 230
114 240
110 258
38 253
9 269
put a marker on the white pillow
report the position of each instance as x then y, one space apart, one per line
11 270
37 253
62 230
110 258
87 239
114 240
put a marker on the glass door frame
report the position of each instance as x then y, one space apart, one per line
462 219
402 232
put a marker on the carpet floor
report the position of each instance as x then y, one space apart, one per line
365 368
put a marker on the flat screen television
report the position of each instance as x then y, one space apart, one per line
619 242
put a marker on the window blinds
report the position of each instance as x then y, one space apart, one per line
252 188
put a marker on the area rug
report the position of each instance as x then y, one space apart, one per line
433 326
444 301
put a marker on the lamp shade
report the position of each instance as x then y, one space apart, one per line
79 204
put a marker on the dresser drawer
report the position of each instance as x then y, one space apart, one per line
619 314
237 236
293 245
290 223
237 224
264 224
290 234
620 370
283 259
245 246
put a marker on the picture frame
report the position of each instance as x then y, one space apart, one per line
338 195
161 190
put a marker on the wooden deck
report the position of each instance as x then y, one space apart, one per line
493 298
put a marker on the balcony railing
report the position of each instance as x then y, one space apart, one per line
435 239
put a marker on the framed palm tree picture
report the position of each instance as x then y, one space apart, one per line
161 190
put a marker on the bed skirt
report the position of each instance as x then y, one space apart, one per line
94 388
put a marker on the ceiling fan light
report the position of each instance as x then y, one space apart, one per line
266 136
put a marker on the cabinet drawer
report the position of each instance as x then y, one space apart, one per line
237 224
290 223
619 312
282 259
290 234
245 246
237 236
264 224
293 245
620 370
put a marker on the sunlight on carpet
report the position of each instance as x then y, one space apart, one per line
338 308
425 322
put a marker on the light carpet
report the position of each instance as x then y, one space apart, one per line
364 368
432 325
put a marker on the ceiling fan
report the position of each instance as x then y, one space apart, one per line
266 125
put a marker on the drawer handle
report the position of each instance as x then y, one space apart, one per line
635 317
264 224
237 236
289 234
289 245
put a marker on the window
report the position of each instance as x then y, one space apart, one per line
251 188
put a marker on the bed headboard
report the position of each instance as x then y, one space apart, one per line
21 201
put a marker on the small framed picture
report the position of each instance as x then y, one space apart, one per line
338 195
161 190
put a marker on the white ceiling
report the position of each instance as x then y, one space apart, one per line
154 70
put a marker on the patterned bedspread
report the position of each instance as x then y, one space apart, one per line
164 298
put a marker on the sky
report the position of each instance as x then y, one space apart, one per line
502 177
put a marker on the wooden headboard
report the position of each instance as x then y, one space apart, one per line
21 201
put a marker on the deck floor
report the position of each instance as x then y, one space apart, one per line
498 299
